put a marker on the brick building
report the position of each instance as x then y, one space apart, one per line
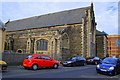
114 45
60 35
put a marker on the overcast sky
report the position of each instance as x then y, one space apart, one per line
106 12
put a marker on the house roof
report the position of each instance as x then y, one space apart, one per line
52 19
101 33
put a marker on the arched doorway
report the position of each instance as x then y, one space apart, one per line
65 46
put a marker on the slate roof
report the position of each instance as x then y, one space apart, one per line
52 19
101 33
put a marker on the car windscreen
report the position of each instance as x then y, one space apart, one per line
72 59
29 57
81 58
96 58
109 61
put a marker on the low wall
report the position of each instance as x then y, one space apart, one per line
14 59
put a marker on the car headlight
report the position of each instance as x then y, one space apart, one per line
69 62
98 66
111 68
2 62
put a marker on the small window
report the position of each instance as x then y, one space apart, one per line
46 57
29 57
38 57
74 59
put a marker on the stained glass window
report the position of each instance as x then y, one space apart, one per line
42 44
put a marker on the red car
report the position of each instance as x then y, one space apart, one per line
37 61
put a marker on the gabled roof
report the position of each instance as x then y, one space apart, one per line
98 33
53 19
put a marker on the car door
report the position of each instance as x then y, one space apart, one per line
76 61
39 61
47 61
82 61
79 61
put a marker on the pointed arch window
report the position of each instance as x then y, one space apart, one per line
42 44
65 41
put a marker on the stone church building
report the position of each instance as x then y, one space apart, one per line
60 35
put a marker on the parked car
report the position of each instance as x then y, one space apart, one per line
93 60
74 61
37 61
3 65
109 66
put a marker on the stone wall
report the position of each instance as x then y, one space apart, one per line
75 40
14 59
100 46
25 40
68 40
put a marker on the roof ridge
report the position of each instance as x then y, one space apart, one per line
51 13
71 16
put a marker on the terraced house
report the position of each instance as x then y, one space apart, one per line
60 35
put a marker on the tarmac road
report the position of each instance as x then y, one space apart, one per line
87 71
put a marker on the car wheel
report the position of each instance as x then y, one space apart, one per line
113 73
35 67
97 71
55 66
84 64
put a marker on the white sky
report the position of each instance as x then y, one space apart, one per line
106 11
